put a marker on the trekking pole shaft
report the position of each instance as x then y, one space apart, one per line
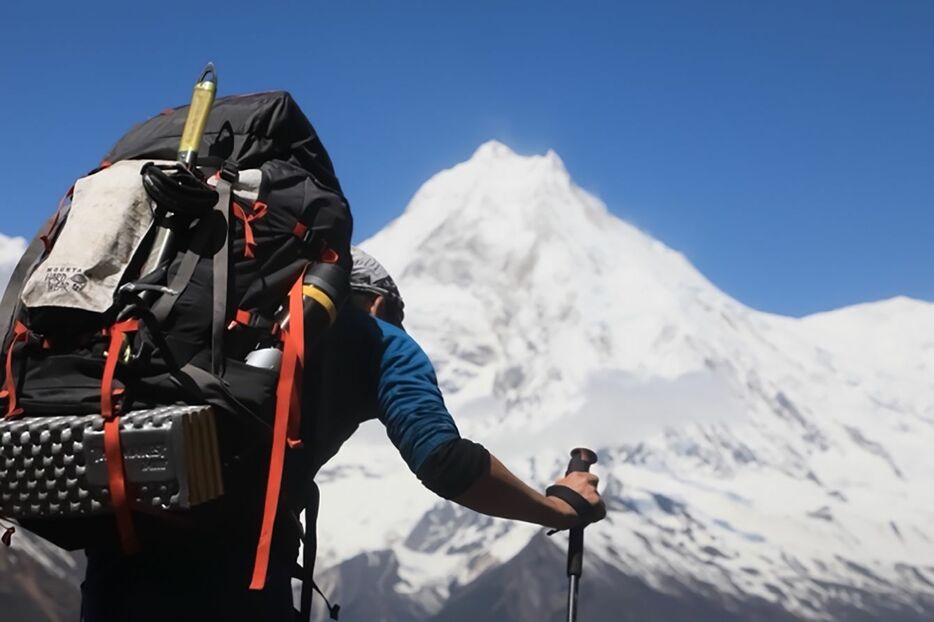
581 461
572 598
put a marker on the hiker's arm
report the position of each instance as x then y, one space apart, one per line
500 493
418 423
469 475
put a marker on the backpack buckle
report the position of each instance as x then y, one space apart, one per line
229 172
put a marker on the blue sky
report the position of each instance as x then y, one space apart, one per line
787 148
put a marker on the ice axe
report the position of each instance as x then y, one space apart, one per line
159 185
581 461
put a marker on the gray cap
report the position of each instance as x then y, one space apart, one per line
369 275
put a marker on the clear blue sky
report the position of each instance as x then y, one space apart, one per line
787 148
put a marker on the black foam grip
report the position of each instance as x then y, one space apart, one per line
581 460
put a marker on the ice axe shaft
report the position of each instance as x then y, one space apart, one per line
581 461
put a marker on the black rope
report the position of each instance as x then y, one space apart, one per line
177 190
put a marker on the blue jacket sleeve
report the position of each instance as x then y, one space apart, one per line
410 402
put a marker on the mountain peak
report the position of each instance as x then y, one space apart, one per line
493 150
498 154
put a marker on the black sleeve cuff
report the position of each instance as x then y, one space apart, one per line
453 467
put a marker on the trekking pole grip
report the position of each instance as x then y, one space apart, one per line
581 461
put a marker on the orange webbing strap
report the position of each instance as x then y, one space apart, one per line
297 332
285 426
259 210
20 333
113 453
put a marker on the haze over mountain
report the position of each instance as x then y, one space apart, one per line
756 467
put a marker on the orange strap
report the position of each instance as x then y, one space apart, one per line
259 210
20 333
285 427
297 334
113 453
242 317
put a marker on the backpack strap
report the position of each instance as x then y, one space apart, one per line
113 452
305 573
309 550
226 176
186 269
254 319
259 210
285 425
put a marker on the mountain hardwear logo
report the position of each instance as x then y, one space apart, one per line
62 279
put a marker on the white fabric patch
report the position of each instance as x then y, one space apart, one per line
247 186
110 216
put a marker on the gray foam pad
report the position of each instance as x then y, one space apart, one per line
55 467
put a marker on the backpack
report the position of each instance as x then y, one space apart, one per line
125 378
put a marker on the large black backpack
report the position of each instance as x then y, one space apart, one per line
94 349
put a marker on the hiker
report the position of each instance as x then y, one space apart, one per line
406 398
365 367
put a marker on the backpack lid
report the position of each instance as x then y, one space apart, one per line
246 130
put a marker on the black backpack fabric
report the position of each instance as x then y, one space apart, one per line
231 271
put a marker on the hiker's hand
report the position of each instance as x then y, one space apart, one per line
584 484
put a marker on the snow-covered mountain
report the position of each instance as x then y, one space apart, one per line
756 467
761 465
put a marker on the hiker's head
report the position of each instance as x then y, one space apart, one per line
373 290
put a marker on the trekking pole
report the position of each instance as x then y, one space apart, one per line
581 460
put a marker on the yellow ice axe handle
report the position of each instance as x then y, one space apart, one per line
202 99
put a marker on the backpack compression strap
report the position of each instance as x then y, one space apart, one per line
225 177
285 426
259 210
113 453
